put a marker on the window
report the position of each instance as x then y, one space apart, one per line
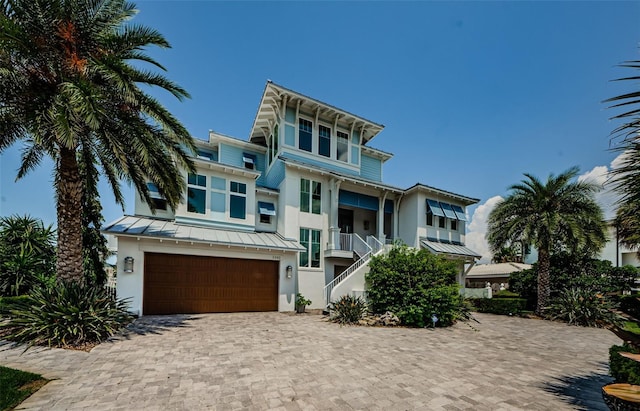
266 210
316 197
310 241
218 203
429 218
159 204
343 146
305 128
310 196
157 200
206 155
454 225
249 160
324 141
274 143
238 200
196 195
443 222
304 194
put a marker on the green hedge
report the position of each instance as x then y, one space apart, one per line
506 294
504 306
622 369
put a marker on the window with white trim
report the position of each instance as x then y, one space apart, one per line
324 141
159 202
310 241
238 200
196 193
342 146
305 134
310 196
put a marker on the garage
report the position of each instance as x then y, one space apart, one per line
187 284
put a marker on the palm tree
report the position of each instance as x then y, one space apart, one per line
557 215
71 88
626 177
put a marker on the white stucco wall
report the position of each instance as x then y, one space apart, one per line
130 285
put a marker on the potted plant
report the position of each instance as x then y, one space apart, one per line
301 303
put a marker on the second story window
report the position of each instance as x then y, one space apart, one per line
324 141
429 218
196 193
443 222
238 200
454 225
158 201
249 160
310 196
305 134
310 241
342 146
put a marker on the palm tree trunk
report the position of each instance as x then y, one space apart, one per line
69 207
544 289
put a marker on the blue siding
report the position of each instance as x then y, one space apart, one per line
320 163
371 168
232 155
275 175
289 135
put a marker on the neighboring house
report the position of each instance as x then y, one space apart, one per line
298 208
494 274
618 254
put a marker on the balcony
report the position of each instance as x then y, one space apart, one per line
341 246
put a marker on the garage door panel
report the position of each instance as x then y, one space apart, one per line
195 284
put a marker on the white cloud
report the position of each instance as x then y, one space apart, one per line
477 229
607 198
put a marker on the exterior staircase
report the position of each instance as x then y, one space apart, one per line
352 279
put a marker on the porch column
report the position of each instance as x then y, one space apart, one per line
396 217
380 234
334 230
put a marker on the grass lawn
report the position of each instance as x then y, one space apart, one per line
16 386
632 327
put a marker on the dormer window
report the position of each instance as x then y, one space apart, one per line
343 146
249 160
305 133
158 201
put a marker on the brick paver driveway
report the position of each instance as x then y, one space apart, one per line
287 362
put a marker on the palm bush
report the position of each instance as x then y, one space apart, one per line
27 254
348 310
67 314
583 307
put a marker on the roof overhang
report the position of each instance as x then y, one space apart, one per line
452 251
167 230
275 99
443 193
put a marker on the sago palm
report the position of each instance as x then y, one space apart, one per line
72 89
553 215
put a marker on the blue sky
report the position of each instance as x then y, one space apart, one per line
472 94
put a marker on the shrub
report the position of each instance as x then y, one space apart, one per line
27 254
67 314
501 305
8 303
630 304
348 310
415 285
583 307
622 369
506 294
302 301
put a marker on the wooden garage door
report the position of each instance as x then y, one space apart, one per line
176 284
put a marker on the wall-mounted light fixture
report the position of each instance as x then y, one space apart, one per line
128 264
289 271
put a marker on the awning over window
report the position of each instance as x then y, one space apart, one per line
435 208
248 158
459 212
266 208
448 211
357 200
450 250
153 191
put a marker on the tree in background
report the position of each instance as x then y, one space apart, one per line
559 214
506 254
70 88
